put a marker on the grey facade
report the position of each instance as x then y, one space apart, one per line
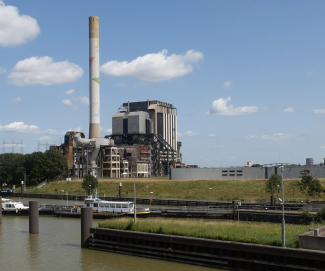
244 173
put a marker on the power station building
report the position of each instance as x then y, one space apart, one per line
143 142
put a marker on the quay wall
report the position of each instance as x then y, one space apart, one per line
205 252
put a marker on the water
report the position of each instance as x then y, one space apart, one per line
57 247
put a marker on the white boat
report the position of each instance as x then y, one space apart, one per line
103 206
13 206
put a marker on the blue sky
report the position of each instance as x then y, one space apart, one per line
247 77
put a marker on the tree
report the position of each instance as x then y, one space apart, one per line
310 186
57 165
256 165
272 184
89 182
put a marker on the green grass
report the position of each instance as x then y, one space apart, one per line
247 232
225 190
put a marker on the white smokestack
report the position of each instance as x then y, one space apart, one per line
94 123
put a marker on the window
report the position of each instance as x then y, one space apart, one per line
231 171
239 171
239 175
124 206
231 174
225 175
226 171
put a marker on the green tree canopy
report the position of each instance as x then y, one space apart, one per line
310 186
38 167
89 182
272 184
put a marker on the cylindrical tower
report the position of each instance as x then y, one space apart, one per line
94 123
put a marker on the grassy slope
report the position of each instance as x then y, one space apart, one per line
165 188
247 232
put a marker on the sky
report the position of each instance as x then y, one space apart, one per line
247 77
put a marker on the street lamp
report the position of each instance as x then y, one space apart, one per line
210 192
90 189
135 200
150 198
283 221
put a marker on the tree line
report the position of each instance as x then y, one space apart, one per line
37 166
307 185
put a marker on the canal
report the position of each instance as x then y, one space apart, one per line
57 247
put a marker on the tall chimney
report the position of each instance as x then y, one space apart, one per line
94 125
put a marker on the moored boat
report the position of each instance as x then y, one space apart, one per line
10 206
103 206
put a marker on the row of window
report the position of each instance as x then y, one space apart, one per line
238 171
232 175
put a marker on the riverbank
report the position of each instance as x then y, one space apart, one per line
162 187
246 232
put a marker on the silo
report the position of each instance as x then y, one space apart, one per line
309 161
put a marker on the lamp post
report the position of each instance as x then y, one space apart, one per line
283 221
210 192
90 190
135 199
150 198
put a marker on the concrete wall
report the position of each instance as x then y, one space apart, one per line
247 173
212 253
309 241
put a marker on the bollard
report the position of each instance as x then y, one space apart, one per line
33 217
86 224
1 210
120 190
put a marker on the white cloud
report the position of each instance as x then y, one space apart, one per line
219 107
190 133
212 135
43 71
10 145
67 102
84 100
179 135
289 110
16 29
2 70
70 91
319 111
273 137
154 67
322 147
45 138
18 99
21 127
78 129
227 84
219 146
108 131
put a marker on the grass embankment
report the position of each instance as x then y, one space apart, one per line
225 190
247 232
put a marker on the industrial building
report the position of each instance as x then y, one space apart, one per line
143 142
246 173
